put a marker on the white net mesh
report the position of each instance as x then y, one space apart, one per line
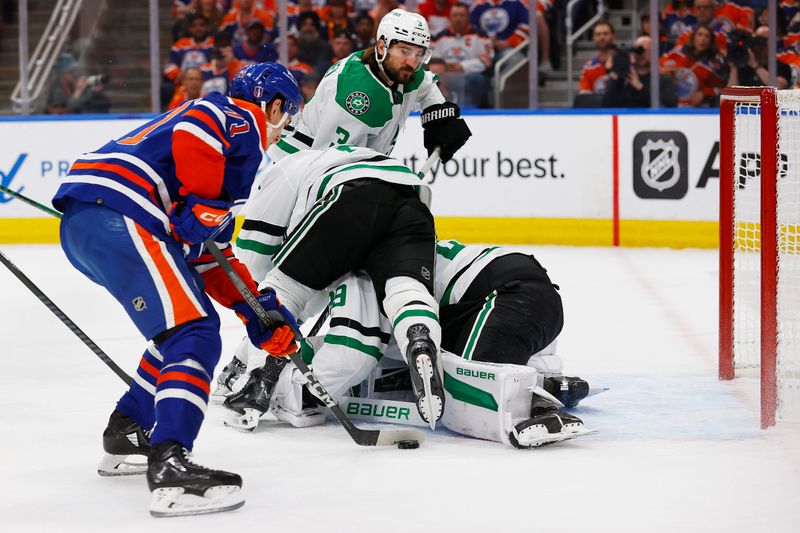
747 235
788 224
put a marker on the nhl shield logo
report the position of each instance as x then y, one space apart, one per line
357 102
660 167
139 304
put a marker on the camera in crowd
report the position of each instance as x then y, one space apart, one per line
97 80
738 45
621 63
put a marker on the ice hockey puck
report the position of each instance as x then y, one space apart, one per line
408 444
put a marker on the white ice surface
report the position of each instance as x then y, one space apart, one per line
677 450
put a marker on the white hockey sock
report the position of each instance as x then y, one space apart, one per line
407 302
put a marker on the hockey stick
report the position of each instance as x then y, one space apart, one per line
362 437
28 201
432 160
64 318
48 302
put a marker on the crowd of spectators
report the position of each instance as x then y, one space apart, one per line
703 45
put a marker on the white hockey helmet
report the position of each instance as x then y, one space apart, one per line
404 26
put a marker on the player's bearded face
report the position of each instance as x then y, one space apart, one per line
402 61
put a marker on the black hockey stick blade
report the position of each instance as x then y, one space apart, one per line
65 319
30 202
362 437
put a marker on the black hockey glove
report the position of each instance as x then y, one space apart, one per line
445 128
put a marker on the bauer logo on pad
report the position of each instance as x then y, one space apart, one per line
660 165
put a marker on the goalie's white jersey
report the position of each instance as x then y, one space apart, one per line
351 106
457 265
303 182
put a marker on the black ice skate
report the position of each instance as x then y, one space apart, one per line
232 372
126 445
569 390
181 487
253 400
426 380
546 425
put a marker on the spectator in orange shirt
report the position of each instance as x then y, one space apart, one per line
697 68
191 81
236 20
706 13
735 15
594 76
334 19
192 51
210 9
223 66
256 48
437 13
295 66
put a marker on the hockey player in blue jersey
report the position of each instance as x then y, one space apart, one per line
136 214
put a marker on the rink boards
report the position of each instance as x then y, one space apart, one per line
578 178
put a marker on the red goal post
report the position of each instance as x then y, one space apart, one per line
759 280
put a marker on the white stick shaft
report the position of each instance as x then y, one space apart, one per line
432 160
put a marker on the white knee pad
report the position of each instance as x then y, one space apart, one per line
292 294
486 400
408 302
336 367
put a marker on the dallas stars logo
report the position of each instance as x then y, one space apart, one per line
357 102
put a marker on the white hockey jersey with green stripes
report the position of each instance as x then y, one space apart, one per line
457 266
305 182
351 106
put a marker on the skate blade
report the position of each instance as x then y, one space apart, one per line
174 501
219 395
534 439
306 419
121 465
430 407
245 422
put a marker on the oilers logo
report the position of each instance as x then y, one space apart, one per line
193 59
494 21
686 82
600 84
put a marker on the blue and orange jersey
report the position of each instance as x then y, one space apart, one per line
692 75
209 147
719 37
505 20
255 54
732 16
677 21
788 9
188 53
791 57
235 22
593 77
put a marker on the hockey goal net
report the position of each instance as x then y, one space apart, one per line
760 244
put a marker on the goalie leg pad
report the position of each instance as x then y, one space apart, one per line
486 400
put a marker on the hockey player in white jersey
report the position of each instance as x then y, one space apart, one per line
497 308
346 209
365 99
